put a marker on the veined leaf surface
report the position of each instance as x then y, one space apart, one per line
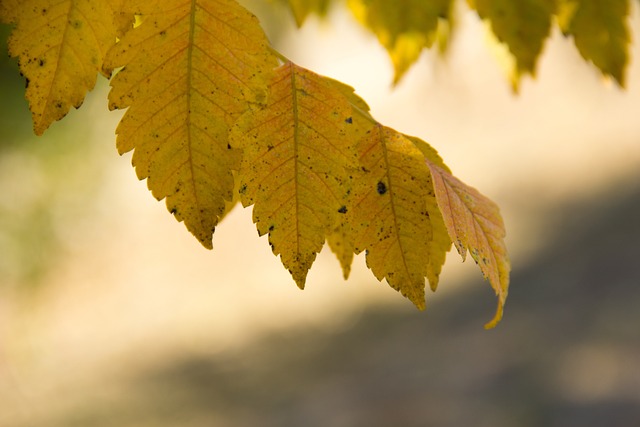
392 216
295 162
60 46
122 19
474 224
190 70
600 32
440 242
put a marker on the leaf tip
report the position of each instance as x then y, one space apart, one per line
299 278
416 295
497 317
205 239
208 244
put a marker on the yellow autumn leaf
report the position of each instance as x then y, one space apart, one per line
190 70
60 46
295 162
393 214
122 19
340 240
600 32
301 9
440 242
9 11
522 25
403 27
341 243
474 223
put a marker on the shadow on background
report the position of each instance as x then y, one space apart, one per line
566 354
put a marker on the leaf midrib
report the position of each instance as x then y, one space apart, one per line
190 48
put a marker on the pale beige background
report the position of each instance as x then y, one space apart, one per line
136 289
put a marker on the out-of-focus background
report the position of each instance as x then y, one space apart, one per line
111 314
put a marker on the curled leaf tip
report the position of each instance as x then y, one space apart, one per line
498 316
475 225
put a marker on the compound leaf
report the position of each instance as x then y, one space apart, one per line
294 168
211 118
474 224
190 70
60 46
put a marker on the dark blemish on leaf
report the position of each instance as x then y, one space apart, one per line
26 83
272 227
163 33
228 146
343 209
349 120
174 211
59 105
242 189
382 188
41 62
76 24
269 147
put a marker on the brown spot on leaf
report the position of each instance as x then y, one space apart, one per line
382 188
